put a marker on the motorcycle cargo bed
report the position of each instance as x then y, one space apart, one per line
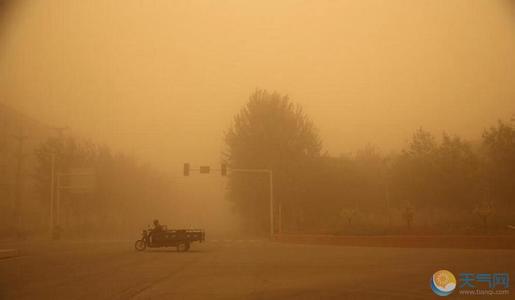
192 235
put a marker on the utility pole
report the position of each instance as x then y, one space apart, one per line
20 156
52 189
58 202
54 215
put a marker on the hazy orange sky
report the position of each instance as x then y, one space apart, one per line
163 79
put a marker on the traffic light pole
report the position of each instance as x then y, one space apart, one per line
271 182
207 169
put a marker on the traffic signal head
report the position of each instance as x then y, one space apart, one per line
224 170
186 170
204 169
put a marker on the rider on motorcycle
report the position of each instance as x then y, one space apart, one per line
157 228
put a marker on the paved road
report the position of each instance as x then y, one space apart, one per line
235 269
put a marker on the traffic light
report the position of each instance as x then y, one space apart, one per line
204 169
186 170
224 170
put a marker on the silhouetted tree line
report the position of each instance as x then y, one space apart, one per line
19 134
435 184
122 193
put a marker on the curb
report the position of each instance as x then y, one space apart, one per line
8 253
454 241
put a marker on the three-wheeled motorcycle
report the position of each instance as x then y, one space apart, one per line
179 238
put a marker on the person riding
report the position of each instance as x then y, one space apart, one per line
157 228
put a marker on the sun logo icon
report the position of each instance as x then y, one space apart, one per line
443 283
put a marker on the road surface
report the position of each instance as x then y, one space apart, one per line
234 269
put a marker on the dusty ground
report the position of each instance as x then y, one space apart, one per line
234 269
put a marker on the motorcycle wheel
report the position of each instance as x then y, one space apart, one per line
140 245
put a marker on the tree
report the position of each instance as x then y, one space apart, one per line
371 174
485 210
437 175
348 214
422 143
125 192
456 173
269 132
413 171
499 169
408 214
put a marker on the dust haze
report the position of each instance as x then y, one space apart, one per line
292 148
162 80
